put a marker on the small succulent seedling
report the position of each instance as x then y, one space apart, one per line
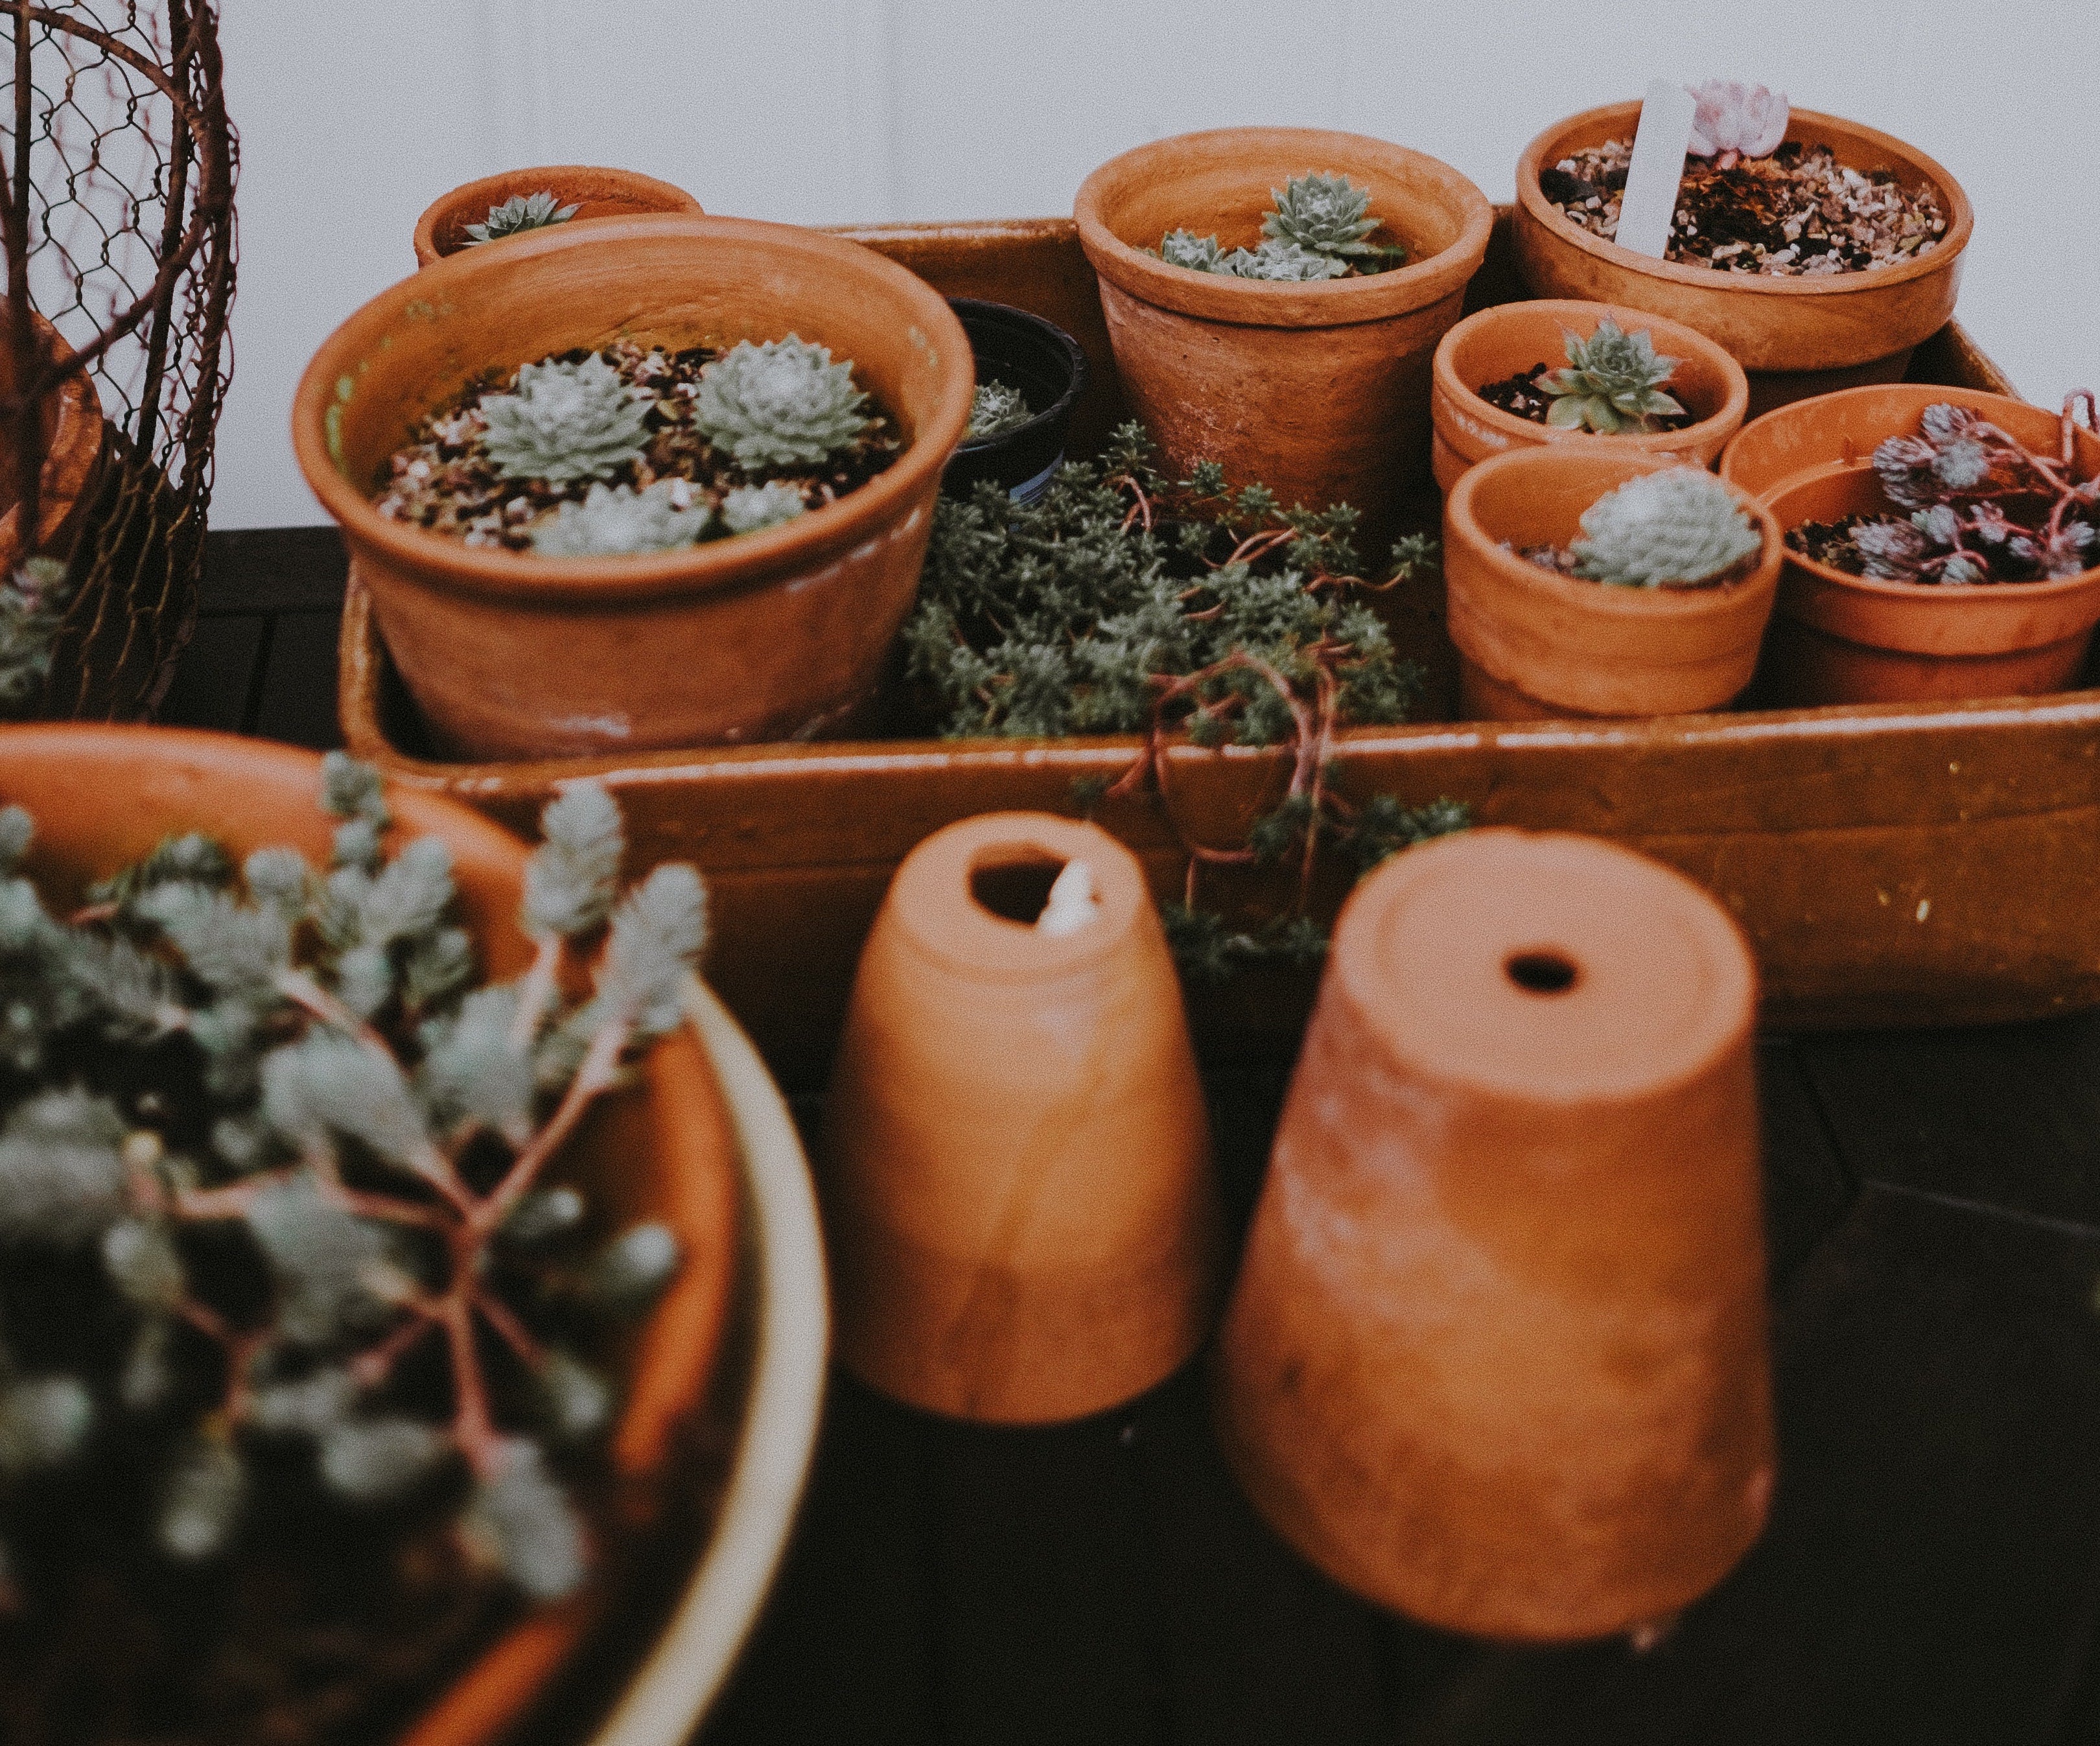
521 212
1733 120
1316 231
783 403
566 422
1614 382
746 509
1678 528
295 1158
615 521
995 409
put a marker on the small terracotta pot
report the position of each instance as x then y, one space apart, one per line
1796 336
1844 639
1320 391
1498 343
102 797
777 635
595 192
1497 1356
1022 1221
1534 644
73 430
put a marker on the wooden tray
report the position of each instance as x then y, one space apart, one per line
1893 865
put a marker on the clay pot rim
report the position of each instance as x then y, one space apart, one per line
1520 574
1444 375
967 939
492 190
1960 215
1333 302
1954 595
517 579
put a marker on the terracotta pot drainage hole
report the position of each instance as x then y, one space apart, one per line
1547 972
1016 890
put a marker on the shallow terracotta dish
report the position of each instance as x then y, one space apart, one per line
104 797
1536 645
1497 1356
1844 639
1494 344
1813 335
781 634
1321 391
596 192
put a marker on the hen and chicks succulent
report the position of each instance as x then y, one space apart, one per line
1612 384
1318 229
521 212
1678 528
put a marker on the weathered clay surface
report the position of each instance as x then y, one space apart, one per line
595 192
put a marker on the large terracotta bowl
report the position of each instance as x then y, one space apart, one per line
1320 391
594 192
1819 334
775 634
1845 639
1534 644
102 797
1496 343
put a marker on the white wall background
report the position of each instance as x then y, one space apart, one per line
354 114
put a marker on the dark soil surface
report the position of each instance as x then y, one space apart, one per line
1830 542
1522 395
443 479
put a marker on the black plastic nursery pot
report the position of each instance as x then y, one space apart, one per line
1046 365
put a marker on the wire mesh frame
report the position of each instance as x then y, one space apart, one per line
117 221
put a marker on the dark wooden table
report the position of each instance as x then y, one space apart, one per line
1931 1573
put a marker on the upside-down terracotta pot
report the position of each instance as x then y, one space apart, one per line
1021 1213
1844 639
596 192
1533 644
103 797
776 635
1797 336
72 427
1497 1355
1507 339
1319 391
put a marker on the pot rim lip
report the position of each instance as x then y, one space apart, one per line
517 579
1957 594
1532 204
1333 302
1445 375
1520 574
1076 355
424 236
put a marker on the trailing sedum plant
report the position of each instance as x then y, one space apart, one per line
266 1137
1613 383
1318 229
1123 602
1678 528
521 212
778 404
565 423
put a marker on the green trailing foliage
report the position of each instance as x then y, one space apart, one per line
262 1118
566 422
780 404
1678 528
521 212
1613 383
32 606
1319 228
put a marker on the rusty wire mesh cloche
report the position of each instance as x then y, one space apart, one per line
117 215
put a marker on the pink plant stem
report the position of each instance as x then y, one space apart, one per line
600 1068
537 994
473 1429
372 1367
499 1317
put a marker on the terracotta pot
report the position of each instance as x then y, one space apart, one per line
1320 391
1535 644
1503 340
1496 1357
1844 639
776 635
72 469
1841 331
104 796
594 192
1022 1221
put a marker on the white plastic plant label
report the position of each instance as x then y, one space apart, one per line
1658 167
